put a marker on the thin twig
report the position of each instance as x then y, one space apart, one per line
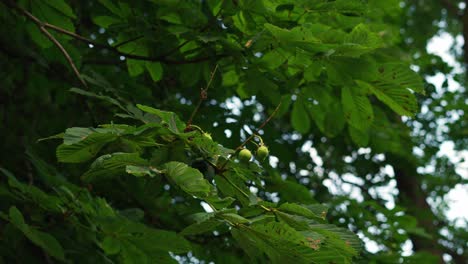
65 53
203 97
255 133
42 27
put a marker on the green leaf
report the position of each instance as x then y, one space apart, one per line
52 12
17 219
350 239
248 243
399 99
131 254
101 97
207 224
297 210
362 36
112 7
361 138
219 203
105 21
112 165
47 173
110 245
76 134
419 232
38 37
357 108
190 180
151 239
62 7
144 237
312 72
230 78
318 209
299 117
290 191
155 70
273 59
234 218
348 7
43 240
297 222
168 118
230 184
296 35
280 242
84 149
398 74
33 194
135 67
140 171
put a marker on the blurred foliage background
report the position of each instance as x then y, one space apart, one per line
382 175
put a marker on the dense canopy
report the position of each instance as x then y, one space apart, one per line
230 131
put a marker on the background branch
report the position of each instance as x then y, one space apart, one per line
42 27
161 58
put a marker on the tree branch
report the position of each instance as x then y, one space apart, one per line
42 27
160 58
65 53
114 49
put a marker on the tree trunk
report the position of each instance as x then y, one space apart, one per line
414 199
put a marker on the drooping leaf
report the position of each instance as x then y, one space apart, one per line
206 224
168 118
357 108
112 165
299 117
131 254
398 98
135 67
105 21
297 210
190 180
62 6
43 240
155 70
110 245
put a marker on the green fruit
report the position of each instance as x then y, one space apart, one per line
245 155
207 136
262 153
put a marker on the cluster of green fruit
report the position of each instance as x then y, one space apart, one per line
245 155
